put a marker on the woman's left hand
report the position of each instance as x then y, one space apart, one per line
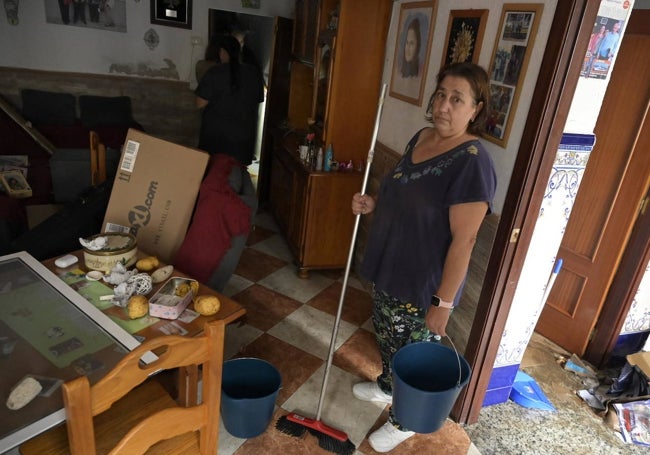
436 320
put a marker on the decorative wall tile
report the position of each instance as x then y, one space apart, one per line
564 181
638 318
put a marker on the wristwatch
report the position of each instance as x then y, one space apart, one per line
438 302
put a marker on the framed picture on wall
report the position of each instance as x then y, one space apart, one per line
174 13
464 36
106 16
412 48
514 41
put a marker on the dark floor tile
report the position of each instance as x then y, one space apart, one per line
359 355
265 307
273 441
357 305
258 234
451 439
295 365
255 265
332 274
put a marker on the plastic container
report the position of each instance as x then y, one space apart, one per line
427 378
248 392
329 156
527 393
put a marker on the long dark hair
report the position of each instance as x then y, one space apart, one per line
479 82
412 68
232 47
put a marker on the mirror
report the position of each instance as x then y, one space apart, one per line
322 76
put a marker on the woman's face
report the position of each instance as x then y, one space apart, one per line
224 56
411 45
454 106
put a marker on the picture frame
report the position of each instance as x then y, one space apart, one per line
15 184
510 56
105 16
412 49
464 37
172 13
250 4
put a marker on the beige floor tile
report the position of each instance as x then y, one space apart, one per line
286 281
311 330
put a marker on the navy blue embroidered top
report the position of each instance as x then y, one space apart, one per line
410 233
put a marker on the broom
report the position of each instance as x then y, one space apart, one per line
294 424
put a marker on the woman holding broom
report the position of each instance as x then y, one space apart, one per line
426 217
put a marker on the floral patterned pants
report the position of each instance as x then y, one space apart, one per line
396 324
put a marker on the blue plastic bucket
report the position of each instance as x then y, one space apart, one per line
427 378
249 388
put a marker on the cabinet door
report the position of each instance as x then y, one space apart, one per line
305 30
297 222
356 77
329 219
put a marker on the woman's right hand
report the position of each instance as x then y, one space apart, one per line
362 204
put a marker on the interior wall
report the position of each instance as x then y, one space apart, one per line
77 49
397 113
35 44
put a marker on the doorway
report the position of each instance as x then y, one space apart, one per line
606 206
258 37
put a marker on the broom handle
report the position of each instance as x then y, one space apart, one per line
337 321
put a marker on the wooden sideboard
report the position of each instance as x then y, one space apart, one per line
337 63
336 72
312 208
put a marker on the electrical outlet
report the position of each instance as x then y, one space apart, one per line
197 41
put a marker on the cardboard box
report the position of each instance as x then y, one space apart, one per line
642 361
155 190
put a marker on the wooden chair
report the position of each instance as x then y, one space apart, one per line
119 401
97 160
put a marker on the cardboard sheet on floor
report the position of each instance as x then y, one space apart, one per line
642 361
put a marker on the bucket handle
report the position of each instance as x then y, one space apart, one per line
438 338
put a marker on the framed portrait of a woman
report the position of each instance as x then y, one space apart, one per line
412 48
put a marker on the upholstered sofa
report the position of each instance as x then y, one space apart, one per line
44 124
67 120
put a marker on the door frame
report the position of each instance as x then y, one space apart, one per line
551 101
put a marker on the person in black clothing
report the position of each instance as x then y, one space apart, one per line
246 53
229 94
79 11
64 6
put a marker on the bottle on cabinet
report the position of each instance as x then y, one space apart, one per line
329 156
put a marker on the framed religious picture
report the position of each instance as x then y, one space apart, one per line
514 41
412 48
464 36
174 13
14 184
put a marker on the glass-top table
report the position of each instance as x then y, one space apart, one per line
50 332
